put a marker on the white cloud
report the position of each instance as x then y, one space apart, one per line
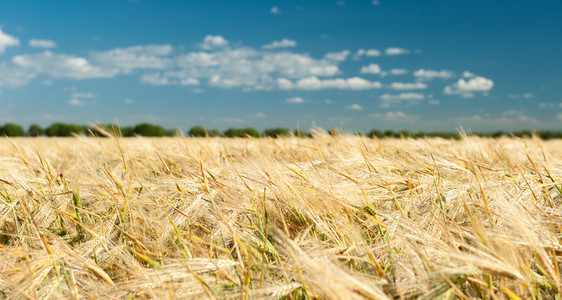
467 74
466 88
396 116
433 102
275 10
403 96
295 100
313 83
84 95
213 42
398 71
524 95
284 43
129 101
169 78
337 56
559 117
21 69
527 119
354 107
512 112
76 102
368 52
371 69
396 51
408 86
7 41
137 57
389 100
375 2
260 115
550 105
422 74
37 43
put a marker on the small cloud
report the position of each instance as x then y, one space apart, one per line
375 2
337 56
512 112
328 101
7 41
366 52
422 74
37 43
275 10
354 107
314 83
389 100
408 86
297 100
398 71
559 117
84 95
371 69
467 74
396 116
75 102
213 42
340 2
527 119
396 51
403 96
260 115
284 43
324 36
466 88
524 95
198 91
433 102
550 105
129 101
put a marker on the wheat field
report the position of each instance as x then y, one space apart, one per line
342 217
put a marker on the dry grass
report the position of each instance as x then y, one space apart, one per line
331 217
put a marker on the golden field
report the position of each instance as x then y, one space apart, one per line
342 217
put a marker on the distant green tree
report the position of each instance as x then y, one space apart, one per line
300 133
237 132
405 134
127 131
198 131
35 130
172 132
276 132
233 132
62 129
150 130
390 134
12 129
250 131
375 133
214 132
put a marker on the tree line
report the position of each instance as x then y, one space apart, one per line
151 130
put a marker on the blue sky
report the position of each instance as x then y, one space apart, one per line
356 65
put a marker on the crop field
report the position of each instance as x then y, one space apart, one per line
329 217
